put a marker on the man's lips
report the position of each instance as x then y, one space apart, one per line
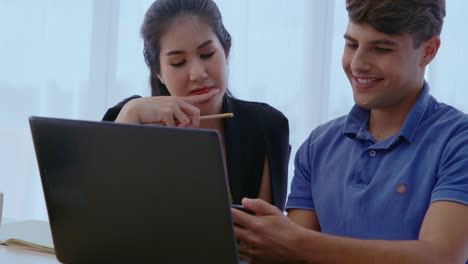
364 82
202 90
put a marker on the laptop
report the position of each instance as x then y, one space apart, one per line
134 193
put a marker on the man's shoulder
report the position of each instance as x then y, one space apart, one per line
332 127
329 132
447 116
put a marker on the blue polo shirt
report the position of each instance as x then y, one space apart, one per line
381 190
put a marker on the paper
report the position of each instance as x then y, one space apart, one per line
33 235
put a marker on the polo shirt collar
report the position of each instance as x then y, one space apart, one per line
356 125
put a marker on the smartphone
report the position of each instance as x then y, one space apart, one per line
240 207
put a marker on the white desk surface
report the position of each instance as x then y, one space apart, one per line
16 255
23 256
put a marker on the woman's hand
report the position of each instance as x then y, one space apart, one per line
164 110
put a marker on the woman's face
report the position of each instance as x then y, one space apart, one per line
193 62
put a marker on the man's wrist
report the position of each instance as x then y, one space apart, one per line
304 245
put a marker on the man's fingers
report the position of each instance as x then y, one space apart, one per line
260 207
244 258
243 250
244 245
241 218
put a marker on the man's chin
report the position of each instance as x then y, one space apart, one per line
367 105
364 106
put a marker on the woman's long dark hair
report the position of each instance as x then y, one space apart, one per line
159 17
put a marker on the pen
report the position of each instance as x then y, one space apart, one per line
225 115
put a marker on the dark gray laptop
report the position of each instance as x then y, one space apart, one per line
134 194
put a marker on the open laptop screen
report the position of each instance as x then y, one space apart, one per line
134 193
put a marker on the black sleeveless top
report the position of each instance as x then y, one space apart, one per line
256 131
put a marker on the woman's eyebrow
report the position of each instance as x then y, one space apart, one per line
206 43
177 52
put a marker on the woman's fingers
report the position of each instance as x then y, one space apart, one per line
165 110
191 112
181 119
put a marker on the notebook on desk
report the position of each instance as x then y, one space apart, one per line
134 193
30 234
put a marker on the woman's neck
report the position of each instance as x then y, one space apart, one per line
217 124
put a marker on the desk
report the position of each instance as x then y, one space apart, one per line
16 255
11 254
23 256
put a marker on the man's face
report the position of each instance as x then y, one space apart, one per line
384 70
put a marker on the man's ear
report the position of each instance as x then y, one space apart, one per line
430 49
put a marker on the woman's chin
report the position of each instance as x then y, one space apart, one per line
210 107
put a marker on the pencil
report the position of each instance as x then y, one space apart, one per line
225 115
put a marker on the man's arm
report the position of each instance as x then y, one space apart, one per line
443 239
268 237
305 218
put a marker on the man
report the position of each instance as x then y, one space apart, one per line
388 183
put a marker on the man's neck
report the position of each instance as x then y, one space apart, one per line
386 122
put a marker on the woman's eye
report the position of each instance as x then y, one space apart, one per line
207 55
177 64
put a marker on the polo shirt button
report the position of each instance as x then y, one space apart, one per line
372 153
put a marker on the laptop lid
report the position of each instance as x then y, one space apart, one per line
134 193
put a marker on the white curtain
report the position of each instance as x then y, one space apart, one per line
74 59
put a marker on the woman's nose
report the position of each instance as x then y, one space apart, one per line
198 72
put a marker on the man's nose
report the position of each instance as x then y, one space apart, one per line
360 61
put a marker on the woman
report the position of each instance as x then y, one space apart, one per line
186 48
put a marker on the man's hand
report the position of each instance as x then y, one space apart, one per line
267 237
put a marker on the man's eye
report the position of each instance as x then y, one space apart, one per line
383 50
351 45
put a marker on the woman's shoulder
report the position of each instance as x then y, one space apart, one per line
112 113
258 112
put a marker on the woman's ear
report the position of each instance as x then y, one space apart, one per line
226 53
431 46
160 78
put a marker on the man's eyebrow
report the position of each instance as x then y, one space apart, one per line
384 42
375 42
177 52
348 37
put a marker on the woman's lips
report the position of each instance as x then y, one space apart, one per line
202 90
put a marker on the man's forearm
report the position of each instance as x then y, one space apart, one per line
322 248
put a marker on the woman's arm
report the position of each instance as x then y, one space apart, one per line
162 110
265 186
